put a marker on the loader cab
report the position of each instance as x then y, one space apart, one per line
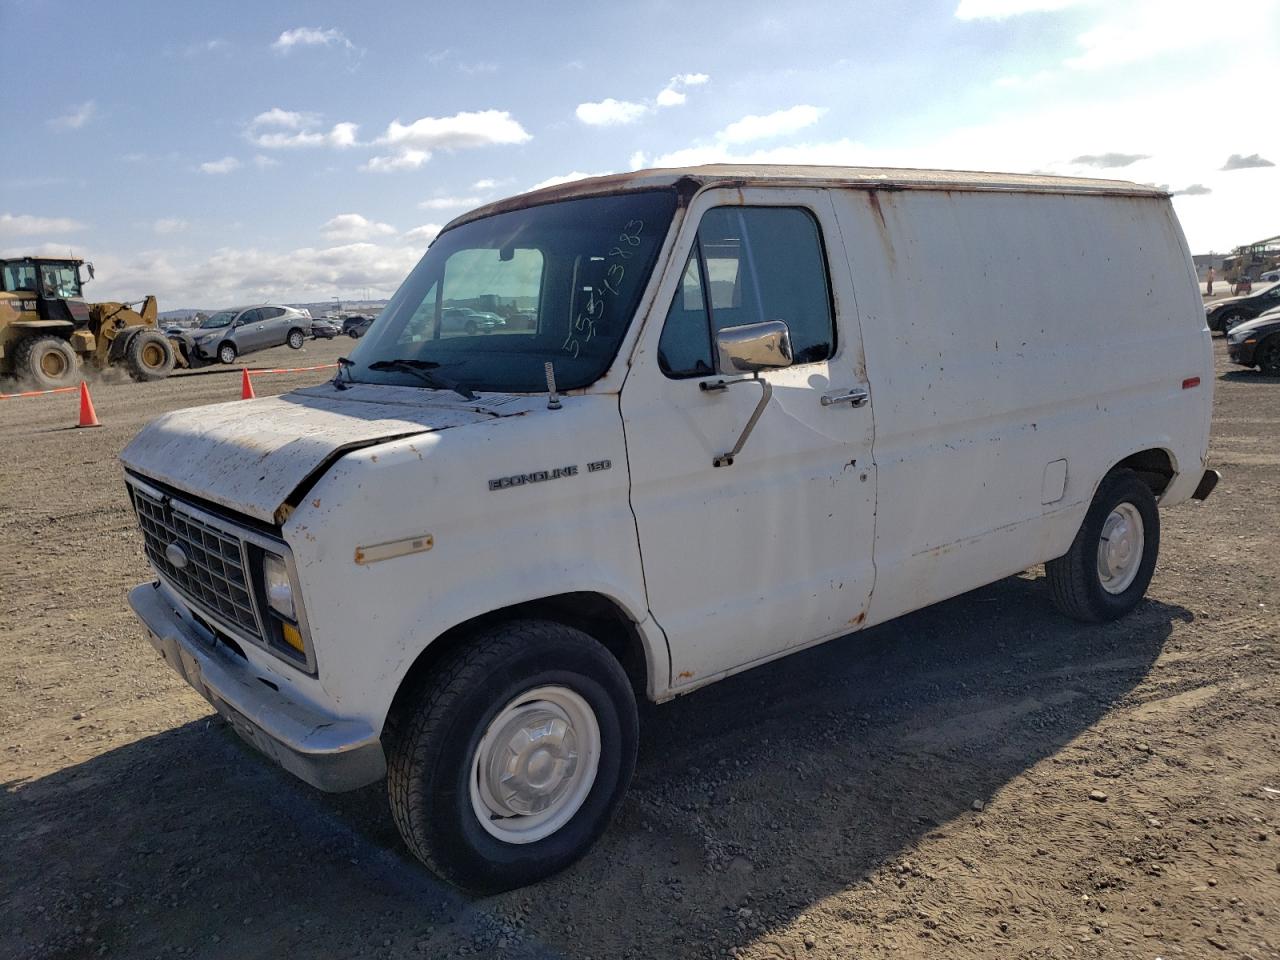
55 283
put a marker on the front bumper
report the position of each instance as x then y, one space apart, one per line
330 753
1242 352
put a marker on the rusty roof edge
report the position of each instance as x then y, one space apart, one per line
856 178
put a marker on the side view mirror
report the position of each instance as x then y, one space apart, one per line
89 267
753 347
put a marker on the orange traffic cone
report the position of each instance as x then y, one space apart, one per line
246 387
88 416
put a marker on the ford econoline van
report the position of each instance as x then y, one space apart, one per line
731 412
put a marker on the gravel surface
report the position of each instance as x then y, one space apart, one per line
982 778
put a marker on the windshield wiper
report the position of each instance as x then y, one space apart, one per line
424 370
344 366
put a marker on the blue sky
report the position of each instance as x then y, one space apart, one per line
230 152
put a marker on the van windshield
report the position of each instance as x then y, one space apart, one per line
495 299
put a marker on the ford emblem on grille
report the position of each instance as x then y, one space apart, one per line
176 556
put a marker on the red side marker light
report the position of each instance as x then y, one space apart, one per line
1190 382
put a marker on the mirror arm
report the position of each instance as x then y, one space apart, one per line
766 393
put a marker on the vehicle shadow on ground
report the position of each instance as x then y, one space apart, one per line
1247 376
779 787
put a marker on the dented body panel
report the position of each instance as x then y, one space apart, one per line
1001 343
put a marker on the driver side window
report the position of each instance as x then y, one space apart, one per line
749 264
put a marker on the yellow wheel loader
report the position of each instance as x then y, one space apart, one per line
47 330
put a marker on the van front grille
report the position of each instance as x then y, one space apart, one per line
203 562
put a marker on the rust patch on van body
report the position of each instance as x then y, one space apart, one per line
873 199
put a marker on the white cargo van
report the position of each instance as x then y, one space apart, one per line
788 403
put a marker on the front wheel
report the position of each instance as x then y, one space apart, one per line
1268 356
149 356
1111 561
296 339
227 353
510 759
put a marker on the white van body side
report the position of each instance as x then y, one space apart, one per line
1006 333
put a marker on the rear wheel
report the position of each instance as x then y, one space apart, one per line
296 339
227 353
48 362
1111 561
511 757
149 356
1268 356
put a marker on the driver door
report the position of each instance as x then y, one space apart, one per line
773 551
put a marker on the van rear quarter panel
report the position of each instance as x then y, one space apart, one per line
1003 332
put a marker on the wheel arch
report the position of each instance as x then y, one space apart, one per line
595 614
1156 467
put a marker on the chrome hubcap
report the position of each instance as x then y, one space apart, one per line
535 764
1120 549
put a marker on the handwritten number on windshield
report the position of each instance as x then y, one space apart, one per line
583 328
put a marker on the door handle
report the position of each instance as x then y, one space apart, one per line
853 395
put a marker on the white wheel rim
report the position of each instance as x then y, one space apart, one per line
1120 548
535 764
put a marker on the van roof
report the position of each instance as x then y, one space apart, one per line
857 178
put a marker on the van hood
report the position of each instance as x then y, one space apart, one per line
252 455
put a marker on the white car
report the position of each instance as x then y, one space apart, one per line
760 408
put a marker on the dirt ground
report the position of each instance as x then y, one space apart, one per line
922 789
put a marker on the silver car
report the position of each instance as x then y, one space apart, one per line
228 334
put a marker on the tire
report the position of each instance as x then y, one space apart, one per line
436 743
1268 356
227 352
1230 320
1076 578
48 362
296 339
471 328
149 356
353 333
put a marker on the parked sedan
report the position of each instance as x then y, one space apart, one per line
1225 314
1256 343
468 321
228 334
325 329
356 326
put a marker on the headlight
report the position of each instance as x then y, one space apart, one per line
279 587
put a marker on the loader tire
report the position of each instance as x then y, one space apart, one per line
48 362
149 356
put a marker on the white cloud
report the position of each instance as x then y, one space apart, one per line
350 227
413 142
1140 31
25 225
255 274
404 160
77 118
615 113
450 203
566 178
673 95
485 184
225 165
475 129
310 37
262 162
777 124
610 112
288 119
637 160
168 225
423 234
1002 9
842 152
341 135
